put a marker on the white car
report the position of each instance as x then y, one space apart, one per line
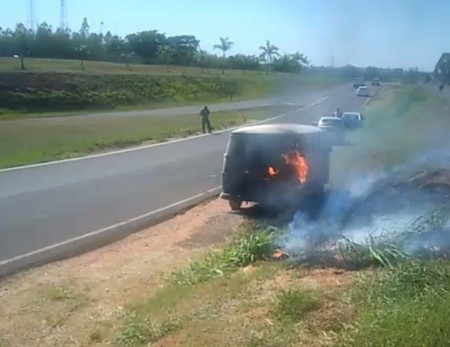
362 91
330 123
352 119
334 126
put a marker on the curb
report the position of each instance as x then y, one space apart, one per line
101 238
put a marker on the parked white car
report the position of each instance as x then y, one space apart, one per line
352 119
335 128
362 91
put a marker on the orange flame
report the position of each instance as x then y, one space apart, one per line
272 171
298 161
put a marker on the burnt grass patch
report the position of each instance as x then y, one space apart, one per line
403 216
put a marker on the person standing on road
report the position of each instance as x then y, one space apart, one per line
205 119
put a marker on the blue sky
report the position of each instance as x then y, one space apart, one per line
390 33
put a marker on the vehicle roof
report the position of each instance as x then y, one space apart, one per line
331 118
363 87
358 113
277 129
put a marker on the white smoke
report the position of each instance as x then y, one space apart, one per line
372 206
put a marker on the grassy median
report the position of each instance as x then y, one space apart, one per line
33 141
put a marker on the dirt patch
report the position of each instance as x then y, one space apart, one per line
68 303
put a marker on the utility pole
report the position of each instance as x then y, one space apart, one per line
101 27
63 25
31 20
332 61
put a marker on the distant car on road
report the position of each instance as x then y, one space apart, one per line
376 81
335 128
358 82
352 120
362 91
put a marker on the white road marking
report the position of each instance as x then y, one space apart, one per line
138 148
104 230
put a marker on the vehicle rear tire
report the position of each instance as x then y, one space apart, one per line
235 204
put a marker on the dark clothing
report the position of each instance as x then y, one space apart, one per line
206 123
205 119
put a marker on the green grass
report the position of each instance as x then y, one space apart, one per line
231 297
293 305
407 305
59 87
39 140
65 65
246 249
402 122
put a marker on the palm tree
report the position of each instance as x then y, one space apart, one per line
225 45
269 51
300 59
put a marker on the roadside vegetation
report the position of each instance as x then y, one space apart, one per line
39 140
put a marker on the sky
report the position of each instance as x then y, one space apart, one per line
386 33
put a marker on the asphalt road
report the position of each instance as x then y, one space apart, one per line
181 110
44 205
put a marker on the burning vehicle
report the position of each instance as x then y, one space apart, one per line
275 165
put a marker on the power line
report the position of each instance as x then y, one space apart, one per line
31 20
63 25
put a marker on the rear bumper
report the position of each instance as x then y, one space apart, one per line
225 196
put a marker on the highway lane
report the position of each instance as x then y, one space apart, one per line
43 205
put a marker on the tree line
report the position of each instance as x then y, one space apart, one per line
145 47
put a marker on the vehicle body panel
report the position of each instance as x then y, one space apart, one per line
352 120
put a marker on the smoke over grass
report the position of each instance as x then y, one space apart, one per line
390 188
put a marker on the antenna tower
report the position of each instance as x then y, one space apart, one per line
64 25
31 20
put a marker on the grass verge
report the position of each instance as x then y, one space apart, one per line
34 141
52 87
406 305
233 296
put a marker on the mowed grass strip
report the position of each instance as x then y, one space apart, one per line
67 65
33 141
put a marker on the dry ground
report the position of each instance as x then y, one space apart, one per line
61 304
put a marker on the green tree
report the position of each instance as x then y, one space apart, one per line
269 51
183 48
225 45
166 54
24 39
201 58
84 30
301 60
146 43
83 54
